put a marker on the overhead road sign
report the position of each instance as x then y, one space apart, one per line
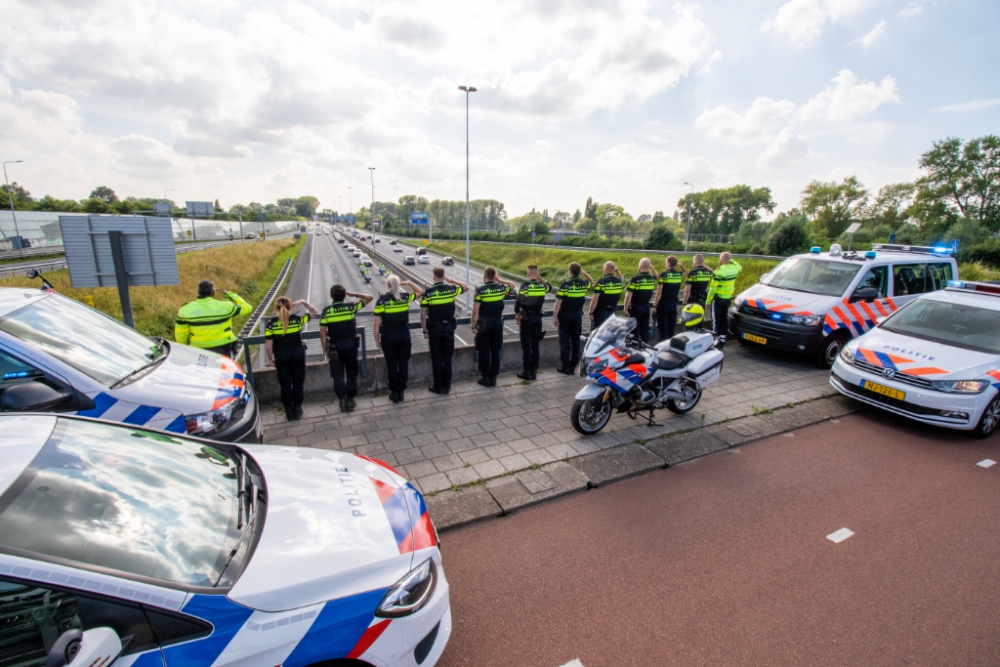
418 218
200 209
161 208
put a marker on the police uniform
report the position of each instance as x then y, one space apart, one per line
207 323
342 345
439 300
699 278
607 291
489 329
572 294
720 296
643 287
666 308
528 307
395 335
289 359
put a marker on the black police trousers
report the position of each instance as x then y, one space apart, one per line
570 330
290 365
344 367
641 315
720 318
396 347
666 319
489 342
531 336
441 342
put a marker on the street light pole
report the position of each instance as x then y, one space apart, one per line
371 172
467 90
350 209
687 236
10 198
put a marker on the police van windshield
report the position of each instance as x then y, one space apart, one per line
91 342
137 502
958 325
815 276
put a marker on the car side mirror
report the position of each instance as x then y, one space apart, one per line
31 397
866 294
33 273
99 646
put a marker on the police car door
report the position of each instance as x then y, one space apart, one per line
863 314
911 279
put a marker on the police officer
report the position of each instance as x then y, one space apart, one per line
668 287
607 291
640 291
392 332
720 295
287 353
568 316
437 319
207 323
339 337
698 280
528 307
487 324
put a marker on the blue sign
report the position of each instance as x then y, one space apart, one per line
349 218
418 218
892 238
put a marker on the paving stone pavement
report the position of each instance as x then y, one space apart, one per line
477 433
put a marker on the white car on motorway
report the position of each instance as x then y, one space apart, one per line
397 248
423 259
936 360
155 550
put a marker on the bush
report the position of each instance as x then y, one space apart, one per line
969 235
908 234
987 253
660 237
787 237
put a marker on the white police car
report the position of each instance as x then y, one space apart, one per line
119 544
937 360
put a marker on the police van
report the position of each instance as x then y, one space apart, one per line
814 303
58 355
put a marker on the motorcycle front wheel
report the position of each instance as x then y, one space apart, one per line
680 407
591 415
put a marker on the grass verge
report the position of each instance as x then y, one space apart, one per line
245 268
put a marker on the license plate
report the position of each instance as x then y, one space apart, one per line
755 339
882 389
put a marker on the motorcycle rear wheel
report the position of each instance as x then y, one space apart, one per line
680 407
591 415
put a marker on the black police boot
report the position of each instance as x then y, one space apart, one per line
351 404
534 374
484 381
399 395
297 409
343 405
435 390
493 380
524 375
289 413
564 371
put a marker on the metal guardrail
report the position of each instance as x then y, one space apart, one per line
261 308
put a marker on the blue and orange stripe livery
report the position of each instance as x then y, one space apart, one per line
399 505
893 361
857 317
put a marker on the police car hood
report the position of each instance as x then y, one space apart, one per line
336 525
921 358
788 302
190 381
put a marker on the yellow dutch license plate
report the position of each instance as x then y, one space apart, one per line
882 389
755 339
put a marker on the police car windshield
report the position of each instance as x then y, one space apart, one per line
815 276
141 503
958 325
93 343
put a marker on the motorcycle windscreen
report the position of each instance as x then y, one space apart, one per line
610 334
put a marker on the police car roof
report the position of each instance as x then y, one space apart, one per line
24 435
858 256
15 298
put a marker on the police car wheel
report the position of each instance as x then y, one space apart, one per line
989 420
590 416
829 350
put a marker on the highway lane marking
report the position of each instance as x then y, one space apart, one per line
986 463
839 536
309 285
575 662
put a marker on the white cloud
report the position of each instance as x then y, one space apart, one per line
724 122
787 150
801 21
849 98
967 106
914 8
869 38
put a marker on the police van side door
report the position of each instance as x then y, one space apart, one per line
913 278
862 314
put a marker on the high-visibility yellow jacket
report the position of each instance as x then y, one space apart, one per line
724 281
208 322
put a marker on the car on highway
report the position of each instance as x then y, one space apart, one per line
59 355
366 262
409 260
357 253
814 303
340 239
392 242
447 261
250 236
398 249
936 360
377 240
421 251
424 259
148 548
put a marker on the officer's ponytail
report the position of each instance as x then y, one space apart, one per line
392 284
284 308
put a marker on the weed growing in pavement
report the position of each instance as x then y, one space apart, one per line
468 465
455 487
639 441
534 466
702 418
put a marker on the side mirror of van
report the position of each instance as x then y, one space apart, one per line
31 397
866 294
82 649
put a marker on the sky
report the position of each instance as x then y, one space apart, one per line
620 100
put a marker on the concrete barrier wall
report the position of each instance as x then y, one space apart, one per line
319 384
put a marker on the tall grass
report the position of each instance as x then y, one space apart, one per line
245 268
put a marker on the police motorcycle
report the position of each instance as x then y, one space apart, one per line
368 276
381 269
628 376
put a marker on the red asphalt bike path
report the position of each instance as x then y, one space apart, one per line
725 560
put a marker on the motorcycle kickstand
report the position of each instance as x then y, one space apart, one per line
649 419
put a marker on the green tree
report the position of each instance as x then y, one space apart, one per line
104 193
22 198
723 210
833 205
306 206
94 205
48 203
660 237
590 210
788 235
658 218
576 216
891 206
967 177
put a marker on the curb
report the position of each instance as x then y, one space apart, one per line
503 495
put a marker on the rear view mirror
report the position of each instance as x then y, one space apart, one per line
867 294
33 273
31 397
100 646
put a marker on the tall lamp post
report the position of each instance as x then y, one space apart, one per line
467 90
10 198
371 172
350 209
687 236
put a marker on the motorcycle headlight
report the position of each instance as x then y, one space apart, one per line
808 320
411 593
847 356
596 367
961 386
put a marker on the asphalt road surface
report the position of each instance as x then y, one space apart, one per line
726 560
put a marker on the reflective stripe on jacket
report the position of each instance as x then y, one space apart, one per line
724 281
208 322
